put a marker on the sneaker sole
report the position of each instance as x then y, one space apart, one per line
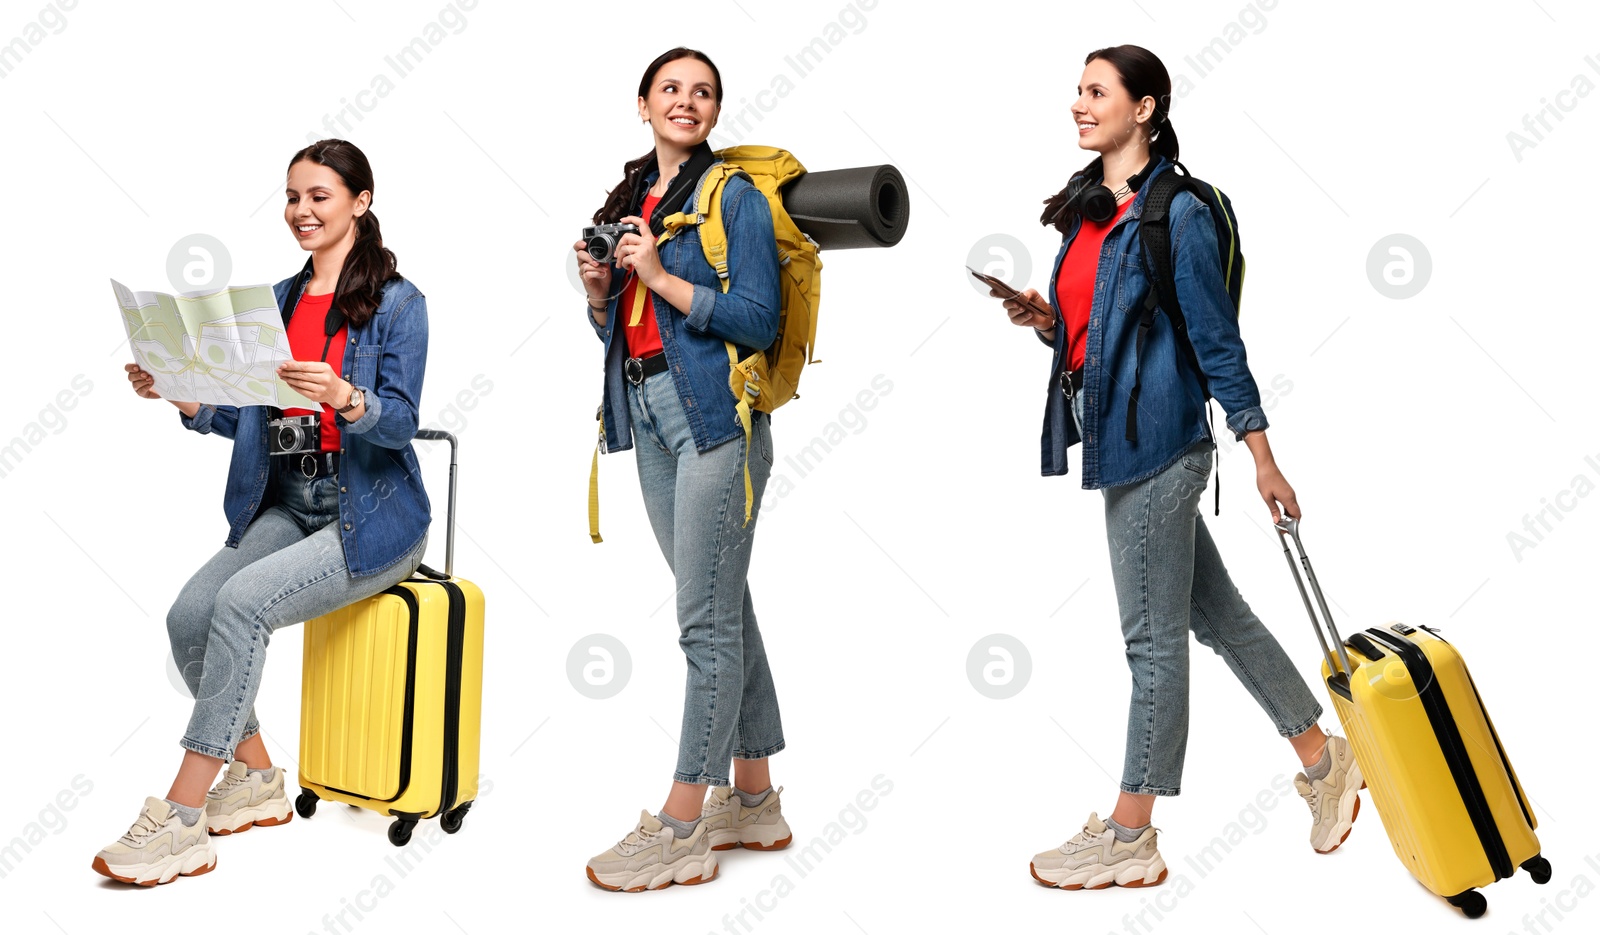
761 837
755 845
1092 883
695 880
1352 798
263 815
168 871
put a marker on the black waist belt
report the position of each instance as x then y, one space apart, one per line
1072 382
636 369
313 464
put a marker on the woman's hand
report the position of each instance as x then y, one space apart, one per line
1275 490
596 277
315 380
1024 310
637 252
143 383
1269 480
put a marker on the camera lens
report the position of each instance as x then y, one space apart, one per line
599 247
288 438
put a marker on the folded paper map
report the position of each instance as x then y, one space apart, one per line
222 348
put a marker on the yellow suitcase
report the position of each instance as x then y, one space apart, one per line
391 697
1455 813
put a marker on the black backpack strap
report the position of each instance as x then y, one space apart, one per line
1156 251
1155 242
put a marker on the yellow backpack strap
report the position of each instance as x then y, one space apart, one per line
743 407
640 293
714 243
713 233
594 480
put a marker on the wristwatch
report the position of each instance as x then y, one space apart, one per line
356 397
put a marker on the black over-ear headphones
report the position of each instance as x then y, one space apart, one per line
1094 200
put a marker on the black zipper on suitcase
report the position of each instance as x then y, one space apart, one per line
1504 760
1522 803
1454 750
455 649
410 706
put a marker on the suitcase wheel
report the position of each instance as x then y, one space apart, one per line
400 832
306 803
1471 903
451 821
1538 868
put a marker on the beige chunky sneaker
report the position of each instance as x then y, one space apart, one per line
242 799
731 824
1335 799
650 858
159 848
1094 859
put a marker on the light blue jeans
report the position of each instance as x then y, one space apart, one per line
1170 580
695 501
289 567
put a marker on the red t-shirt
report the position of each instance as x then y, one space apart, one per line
1075 283
644 339
307 332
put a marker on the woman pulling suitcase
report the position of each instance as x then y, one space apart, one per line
314 524
1168 575
664 321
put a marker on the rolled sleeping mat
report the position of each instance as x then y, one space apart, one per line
842 209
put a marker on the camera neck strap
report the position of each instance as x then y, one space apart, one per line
679 189
297 288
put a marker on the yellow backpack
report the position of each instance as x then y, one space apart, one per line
770 377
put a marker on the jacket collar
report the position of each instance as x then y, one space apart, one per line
1159 165
683 185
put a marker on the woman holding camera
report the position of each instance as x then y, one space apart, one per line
663 320
325 508
1168 575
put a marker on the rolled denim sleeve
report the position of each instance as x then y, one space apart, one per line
599 329
747 313
391 417
209 419
1209 313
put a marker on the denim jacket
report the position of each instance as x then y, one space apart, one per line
747 315
1172 408
383 508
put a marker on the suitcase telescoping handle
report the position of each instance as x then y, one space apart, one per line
1291 526
435 435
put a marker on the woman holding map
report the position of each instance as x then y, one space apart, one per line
325 508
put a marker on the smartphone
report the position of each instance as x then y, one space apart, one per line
1006 291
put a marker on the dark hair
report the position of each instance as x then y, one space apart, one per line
1143 75
370 264
617 200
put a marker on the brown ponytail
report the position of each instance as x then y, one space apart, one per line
619 199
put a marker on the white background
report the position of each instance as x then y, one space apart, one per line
1418 433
